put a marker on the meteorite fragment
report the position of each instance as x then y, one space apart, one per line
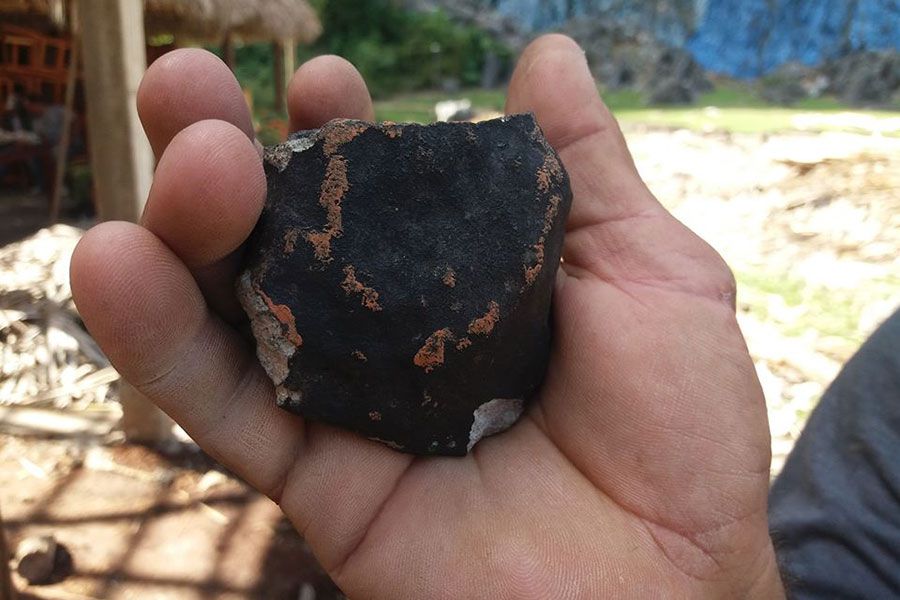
399 279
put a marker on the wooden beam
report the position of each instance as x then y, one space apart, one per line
114 57
278 76
228 51
62 150
283 54
141 421
290 59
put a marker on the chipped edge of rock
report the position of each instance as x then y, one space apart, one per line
272 346
493 417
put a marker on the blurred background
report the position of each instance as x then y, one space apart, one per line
770 127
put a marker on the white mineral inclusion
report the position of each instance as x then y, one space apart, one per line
272 349
280 156
493 417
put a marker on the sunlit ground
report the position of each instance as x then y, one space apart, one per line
810 224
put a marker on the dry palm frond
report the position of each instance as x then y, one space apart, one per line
208 20
47 359
247 19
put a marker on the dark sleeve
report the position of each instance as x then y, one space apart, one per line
835 509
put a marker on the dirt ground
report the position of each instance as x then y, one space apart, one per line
137 524
809 223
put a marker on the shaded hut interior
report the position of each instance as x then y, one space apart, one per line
84 60
37 39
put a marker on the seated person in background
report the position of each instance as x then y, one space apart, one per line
45 122
14 121
48 122
15 114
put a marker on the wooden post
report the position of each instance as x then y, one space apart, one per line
6 587
289 51
228 52
283 54
62 151
114 57
278 76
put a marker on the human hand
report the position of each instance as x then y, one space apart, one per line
641 468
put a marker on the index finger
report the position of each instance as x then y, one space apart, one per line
184 87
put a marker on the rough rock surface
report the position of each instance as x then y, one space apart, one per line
792 82
675 78
400 276
866 78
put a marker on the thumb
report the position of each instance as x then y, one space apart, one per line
617 230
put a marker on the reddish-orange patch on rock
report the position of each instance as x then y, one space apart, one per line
332 193
338 133
449 278
550 170
285 317
431 354
485 325
463 343
375 415
391 129
358 355
352 285
533 271
290 240
334 186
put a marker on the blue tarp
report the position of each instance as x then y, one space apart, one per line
742 38
750 38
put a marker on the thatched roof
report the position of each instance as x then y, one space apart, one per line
52 11
246 19
203 19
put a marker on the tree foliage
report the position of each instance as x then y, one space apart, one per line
396 50
399 49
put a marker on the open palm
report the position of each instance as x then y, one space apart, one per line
640 470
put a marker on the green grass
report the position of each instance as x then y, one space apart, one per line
419 107
830 312
733 107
